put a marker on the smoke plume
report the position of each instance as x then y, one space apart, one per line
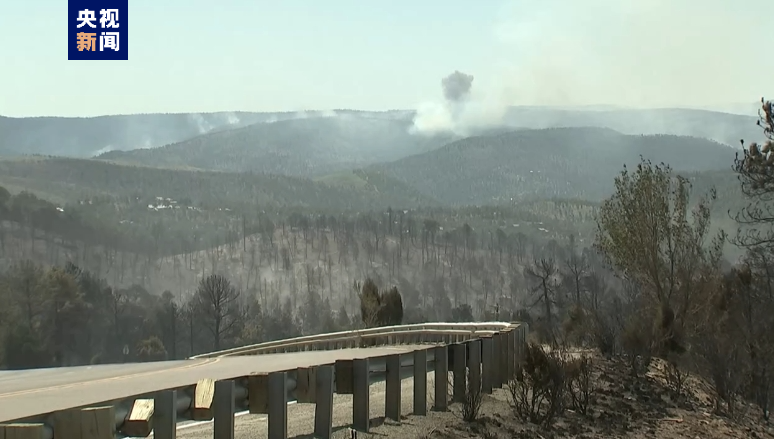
461 111
622 53
456 87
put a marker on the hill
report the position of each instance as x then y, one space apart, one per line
721 127
68 180
557 162
89 136
306 147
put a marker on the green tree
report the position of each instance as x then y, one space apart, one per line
385 309
648 233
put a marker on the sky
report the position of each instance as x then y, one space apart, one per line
293 55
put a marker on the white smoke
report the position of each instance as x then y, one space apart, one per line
232 119
201 124
462 110
626 53
103 150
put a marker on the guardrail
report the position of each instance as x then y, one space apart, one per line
351 339
482 355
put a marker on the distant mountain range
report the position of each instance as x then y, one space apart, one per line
356 138
90 136
721 127
308 147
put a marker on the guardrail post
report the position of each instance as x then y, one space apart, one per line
165 415
524 331
392 388
420 382
98 422
460 367
24 431
67 423
474 365
258 393
278 405
344 377
497 353
486 364
441 378
223 426
361 411
323 409
306 384
505 357
507 345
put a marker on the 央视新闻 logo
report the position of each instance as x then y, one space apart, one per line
97 30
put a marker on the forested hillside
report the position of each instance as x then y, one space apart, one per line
557 162
721 127
305 147
88 136
67 180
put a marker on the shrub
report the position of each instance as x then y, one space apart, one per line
580 386
537 394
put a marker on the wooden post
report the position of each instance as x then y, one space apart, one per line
278 405
98 423
164 415
138 422
67 423
344 377
24 431
474 366
510 358
258 393
306 384
460 367
201 404
441 378
323 409
361 412
497 352
392 404
504 352
487 365
420 382
224 409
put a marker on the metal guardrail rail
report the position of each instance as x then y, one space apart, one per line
185 399
356 336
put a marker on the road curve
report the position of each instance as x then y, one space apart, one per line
35 392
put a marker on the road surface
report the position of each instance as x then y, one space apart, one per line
39 391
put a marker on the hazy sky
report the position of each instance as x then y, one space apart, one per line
256 55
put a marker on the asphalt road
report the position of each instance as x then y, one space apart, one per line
34 392
301 416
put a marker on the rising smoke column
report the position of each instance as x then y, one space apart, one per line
456 87
458 113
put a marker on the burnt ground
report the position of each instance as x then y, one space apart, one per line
622 406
